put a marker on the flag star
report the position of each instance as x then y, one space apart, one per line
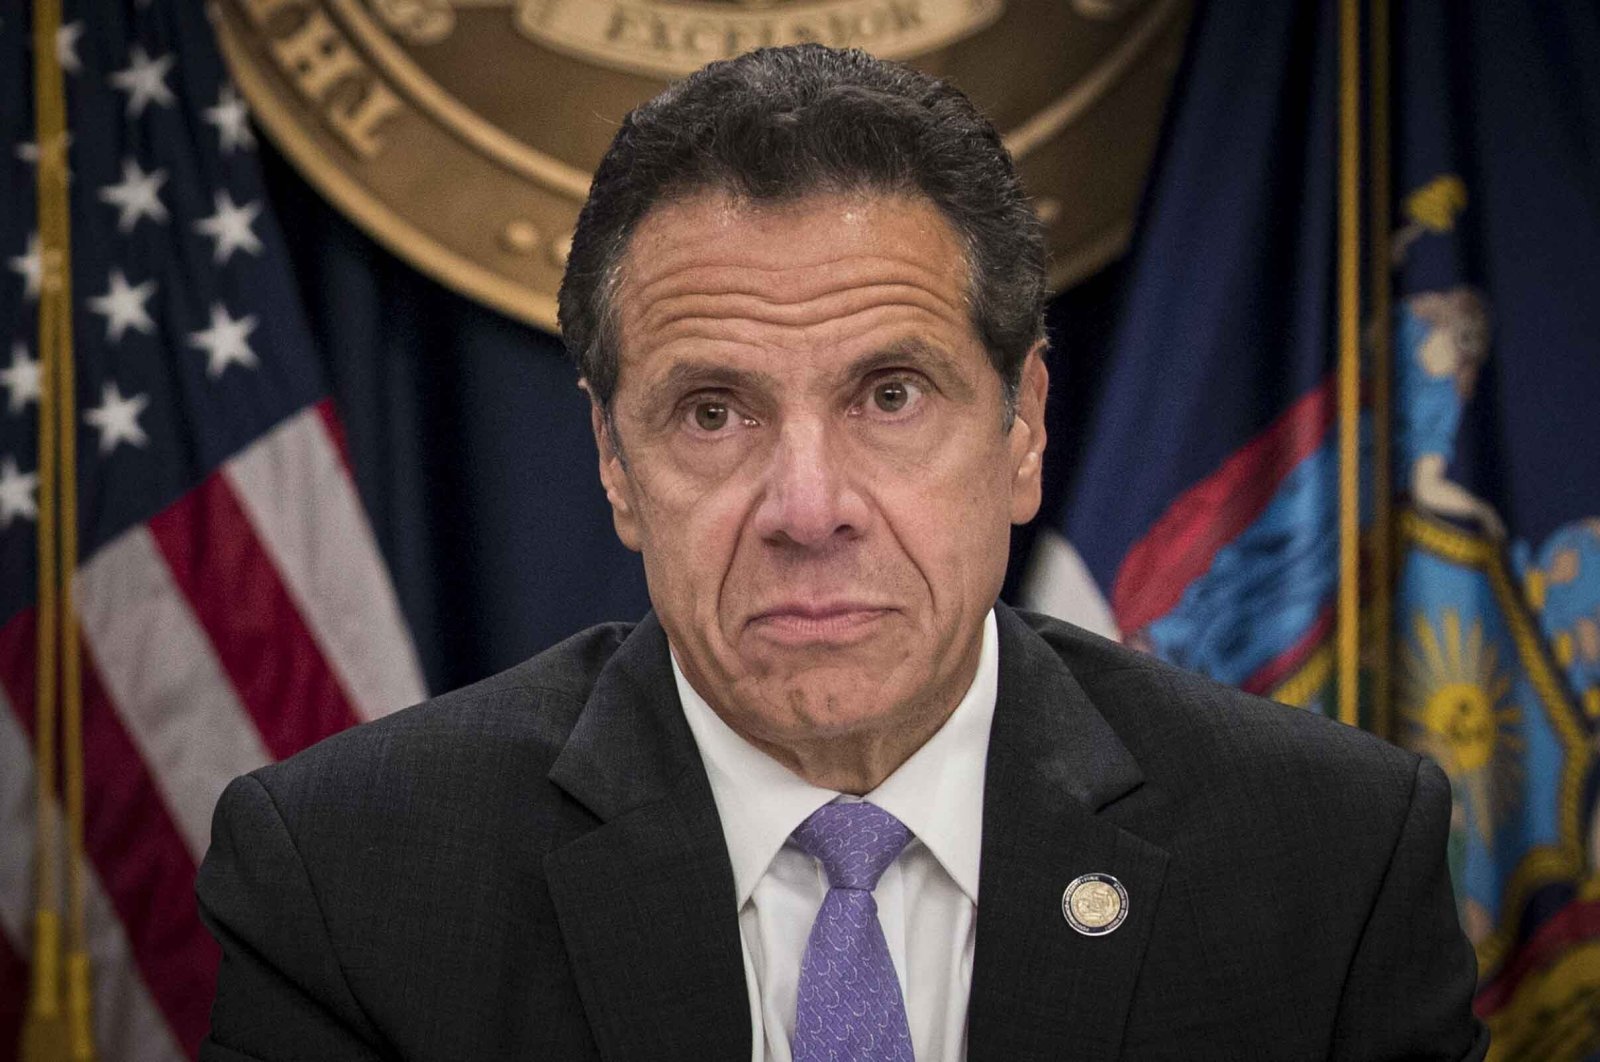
230 227
123 306
23 381
55 154
137 195
145 81
17 493
67 46
117 419
231 116
226 342
30 266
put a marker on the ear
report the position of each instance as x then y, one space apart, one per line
1028 437
613 475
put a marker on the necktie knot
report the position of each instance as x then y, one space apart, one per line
855 842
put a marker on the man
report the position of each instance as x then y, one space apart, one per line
805 298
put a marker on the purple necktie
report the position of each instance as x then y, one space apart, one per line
850 1008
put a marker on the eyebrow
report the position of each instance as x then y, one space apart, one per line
917 354
692 375
697 375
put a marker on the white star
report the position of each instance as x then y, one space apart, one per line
226 342
16 493
23 379
28 151
123 306
230 227
67 46
232 118
30 265
137 195
117 419
145 81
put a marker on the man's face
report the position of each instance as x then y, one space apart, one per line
814 460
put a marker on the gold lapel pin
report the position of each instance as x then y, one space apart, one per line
1095 904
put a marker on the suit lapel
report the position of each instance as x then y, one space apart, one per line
1040 989
646 902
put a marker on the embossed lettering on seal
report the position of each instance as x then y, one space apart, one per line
671 38
462 134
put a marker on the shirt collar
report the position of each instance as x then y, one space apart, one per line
937 792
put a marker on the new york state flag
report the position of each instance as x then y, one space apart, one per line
1206 507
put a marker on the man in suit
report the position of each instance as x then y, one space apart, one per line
830 800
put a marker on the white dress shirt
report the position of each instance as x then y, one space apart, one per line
927 899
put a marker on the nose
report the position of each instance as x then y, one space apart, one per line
810 499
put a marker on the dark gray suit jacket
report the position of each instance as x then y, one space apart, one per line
533 868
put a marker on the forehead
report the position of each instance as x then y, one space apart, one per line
829 272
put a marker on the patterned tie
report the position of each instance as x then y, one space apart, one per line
850 1008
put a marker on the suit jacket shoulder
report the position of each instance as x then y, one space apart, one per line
395 869
1200 741
1298 865
532 705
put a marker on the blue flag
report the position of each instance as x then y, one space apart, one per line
1496 339
1206 504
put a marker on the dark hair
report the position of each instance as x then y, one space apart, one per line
777 124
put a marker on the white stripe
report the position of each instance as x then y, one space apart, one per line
304 508
127 1022
16 830
163 678
1059 584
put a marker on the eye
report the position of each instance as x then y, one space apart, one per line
893 397
711 415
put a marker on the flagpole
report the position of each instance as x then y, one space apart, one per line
57 1027
1382 371
44 1029
1349 371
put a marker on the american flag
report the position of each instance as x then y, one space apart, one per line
232 602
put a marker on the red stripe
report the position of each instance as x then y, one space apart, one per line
1271 674
134 845
13 995
1181 545
260 638
1575 924
335 429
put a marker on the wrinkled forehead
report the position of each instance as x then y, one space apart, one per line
711 261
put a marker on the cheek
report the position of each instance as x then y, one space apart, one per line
690 536
953 520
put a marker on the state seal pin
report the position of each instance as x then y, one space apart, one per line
1095 904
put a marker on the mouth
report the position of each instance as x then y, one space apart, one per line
811 625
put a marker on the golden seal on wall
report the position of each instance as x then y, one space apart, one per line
462 133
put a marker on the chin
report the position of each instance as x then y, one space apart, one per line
816 707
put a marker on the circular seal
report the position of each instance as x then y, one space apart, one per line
462 134
1095 904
